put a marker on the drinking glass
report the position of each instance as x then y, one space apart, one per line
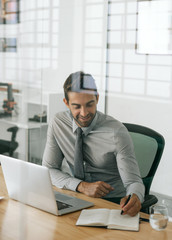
158 217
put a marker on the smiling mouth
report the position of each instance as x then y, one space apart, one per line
84 121
85 118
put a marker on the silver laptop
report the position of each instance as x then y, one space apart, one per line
30 183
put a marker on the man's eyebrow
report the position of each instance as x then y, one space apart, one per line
77 104
90 101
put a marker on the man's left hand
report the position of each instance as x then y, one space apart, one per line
132 207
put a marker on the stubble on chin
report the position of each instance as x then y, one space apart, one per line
86 124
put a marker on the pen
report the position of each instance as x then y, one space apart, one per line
144 219
128 199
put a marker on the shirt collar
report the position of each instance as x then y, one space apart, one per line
88 129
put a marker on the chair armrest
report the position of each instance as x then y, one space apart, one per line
149 201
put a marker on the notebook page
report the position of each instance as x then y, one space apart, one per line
93 217
123 221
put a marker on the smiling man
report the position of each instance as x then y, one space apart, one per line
110 170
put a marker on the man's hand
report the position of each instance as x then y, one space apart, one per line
96 189
132 207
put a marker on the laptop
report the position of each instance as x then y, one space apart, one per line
30 183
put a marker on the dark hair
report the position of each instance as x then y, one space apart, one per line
79 82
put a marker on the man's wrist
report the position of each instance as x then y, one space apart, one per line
79 187
137 196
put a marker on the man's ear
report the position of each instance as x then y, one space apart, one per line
66 102
97 97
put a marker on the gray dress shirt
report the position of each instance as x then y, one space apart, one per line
108 154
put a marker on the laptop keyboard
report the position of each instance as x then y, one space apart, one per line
62 205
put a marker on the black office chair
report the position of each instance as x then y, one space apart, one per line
149 146
8 147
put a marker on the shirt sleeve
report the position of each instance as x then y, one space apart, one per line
53 158
128 166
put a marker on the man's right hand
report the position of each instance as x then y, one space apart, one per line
96 189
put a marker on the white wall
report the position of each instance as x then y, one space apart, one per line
156 115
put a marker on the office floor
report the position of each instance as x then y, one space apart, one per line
167 200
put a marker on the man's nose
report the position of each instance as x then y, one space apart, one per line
83 112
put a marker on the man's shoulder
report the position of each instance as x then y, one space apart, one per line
104 119
110 124
62 114
62 117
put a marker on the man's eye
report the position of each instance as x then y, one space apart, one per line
90 105
77 107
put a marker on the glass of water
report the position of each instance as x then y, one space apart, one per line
158 217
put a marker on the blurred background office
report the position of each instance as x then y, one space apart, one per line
125 44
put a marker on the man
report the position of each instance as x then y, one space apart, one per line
109 165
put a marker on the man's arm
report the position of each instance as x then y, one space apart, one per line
129 172
53 158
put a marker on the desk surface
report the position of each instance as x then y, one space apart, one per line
18 221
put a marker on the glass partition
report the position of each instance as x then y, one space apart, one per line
41 43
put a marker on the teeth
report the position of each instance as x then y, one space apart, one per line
85 117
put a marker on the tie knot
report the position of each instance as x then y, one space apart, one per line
79 131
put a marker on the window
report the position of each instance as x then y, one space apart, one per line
154 22
8 45
39 38
37 42
128 72
94 46
9 11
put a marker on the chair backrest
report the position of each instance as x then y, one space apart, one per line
13 143
149 146
13 130
9 146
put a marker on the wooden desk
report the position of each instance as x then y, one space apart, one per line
21 222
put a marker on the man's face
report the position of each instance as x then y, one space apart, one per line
83 107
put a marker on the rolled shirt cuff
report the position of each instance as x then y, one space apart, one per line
138 189
72 184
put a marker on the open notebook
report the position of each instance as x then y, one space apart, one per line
110 218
